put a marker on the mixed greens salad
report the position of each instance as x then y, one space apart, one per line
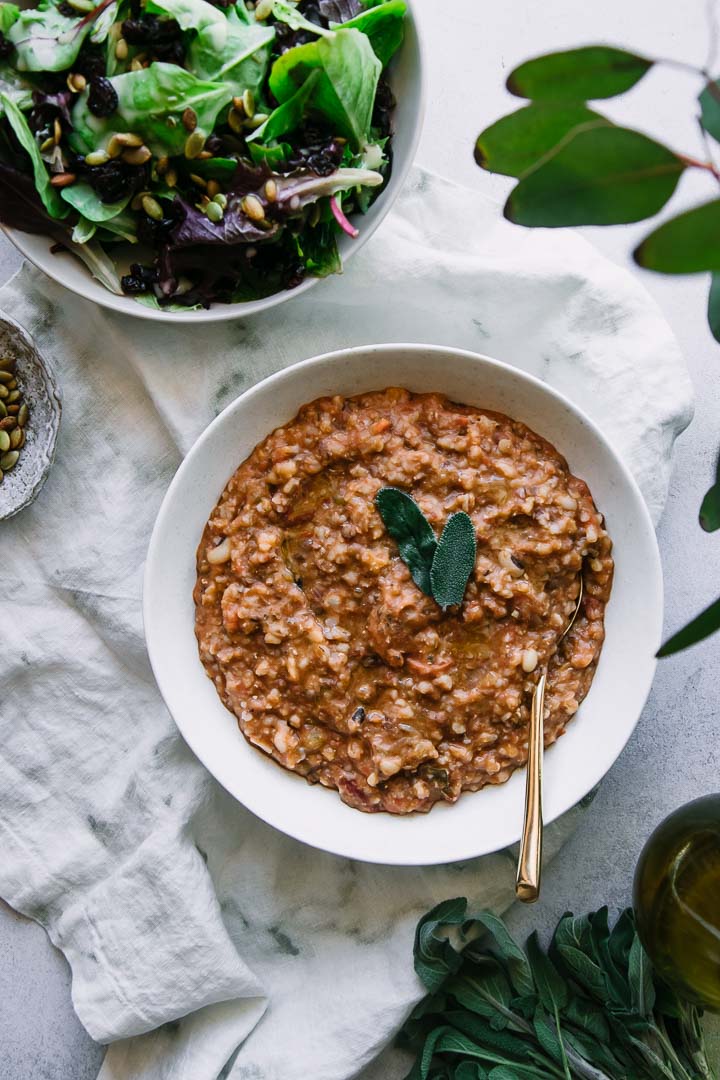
193 152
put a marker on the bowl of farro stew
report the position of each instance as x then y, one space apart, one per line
198 160
359 573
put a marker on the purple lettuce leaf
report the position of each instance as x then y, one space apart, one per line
339 11
21 207
236 227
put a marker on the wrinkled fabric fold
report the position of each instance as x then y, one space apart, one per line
193 929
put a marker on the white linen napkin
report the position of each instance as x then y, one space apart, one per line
181 914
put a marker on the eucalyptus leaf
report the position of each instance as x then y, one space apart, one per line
407 524
515 143
50 197
151 103
687 244
345 93
714 306
593 71
599 175
710 109
704 624
453 561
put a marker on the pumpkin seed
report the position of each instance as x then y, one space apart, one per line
198 181
7 363
47 145
263 10
270 190
235 121
5 441
248 100
12 385
152 208
16 439
57 131
22 416
136 155
189 119
256 121
114 148
64 179
220 199
13 396
6 376
3 410
8 423
128 138
4 392
76 82
214 212
194 144
253 208
121 49
171 178
13 410
97 157
213 188
9 461
162 165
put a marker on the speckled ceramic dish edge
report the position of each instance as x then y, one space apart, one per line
40 389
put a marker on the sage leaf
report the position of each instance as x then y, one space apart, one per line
714 306
704 624
407 525
505 949
552 988
435 957
453 560
594 71
642 990
710 110
686 244
516 142
600 175
710 509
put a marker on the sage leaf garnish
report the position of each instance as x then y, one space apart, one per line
453 561
590 1006
407 524
441 569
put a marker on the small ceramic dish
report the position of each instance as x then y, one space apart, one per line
479 822
21 484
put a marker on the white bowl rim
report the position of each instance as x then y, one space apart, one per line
653 588
126 305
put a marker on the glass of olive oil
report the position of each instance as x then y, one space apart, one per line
677 900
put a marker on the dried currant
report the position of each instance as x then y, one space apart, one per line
140 279
102 97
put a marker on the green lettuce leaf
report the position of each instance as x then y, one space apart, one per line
241 61
289 115
151 102
345 92
384 26
9 14
87 202
46 40
50 197
13 86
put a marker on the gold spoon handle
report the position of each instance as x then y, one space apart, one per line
527 883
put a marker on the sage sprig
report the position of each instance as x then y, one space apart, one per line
590 1006
441 569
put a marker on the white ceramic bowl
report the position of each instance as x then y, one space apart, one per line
479 822
406 78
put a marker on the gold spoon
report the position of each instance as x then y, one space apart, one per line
527 882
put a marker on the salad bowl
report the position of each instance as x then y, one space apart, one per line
405 78
479 822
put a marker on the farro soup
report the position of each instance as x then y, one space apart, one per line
331 657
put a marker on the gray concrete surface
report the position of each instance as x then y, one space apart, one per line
673 755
